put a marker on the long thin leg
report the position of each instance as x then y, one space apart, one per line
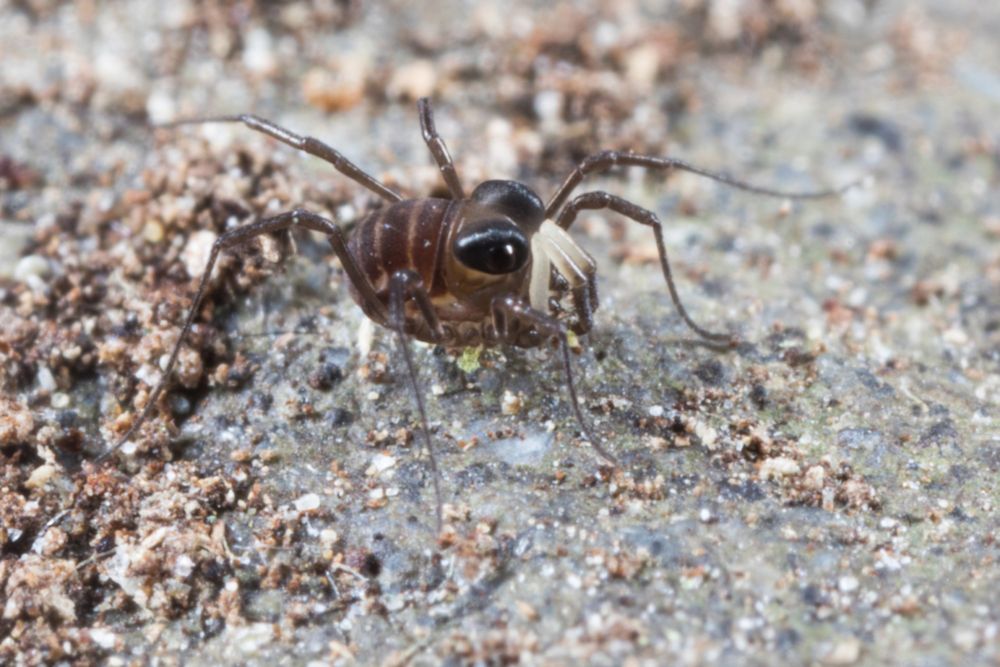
511 311
310 145
238 236
598 200
407 284
600 162
438 149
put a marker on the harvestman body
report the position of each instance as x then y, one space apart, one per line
476 269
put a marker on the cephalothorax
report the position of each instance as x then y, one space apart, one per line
469 270
469 253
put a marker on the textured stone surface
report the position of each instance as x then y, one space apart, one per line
824 492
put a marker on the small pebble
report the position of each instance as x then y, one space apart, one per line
46 382
511 403
848 584
845 651
778 467
337 87
380 463
103 638
548 106
196 252
32 266
307 503
40 476
413 80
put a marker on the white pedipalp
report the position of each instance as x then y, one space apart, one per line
541 268
553 247
581 262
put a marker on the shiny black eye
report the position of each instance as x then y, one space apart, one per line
492 246
515 200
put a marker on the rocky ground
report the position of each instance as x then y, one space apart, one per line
823 492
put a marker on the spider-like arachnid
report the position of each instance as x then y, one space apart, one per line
483 269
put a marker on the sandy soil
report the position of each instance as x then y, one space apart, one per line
823 492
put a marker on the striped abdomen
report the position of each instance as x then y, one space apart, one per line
414 235
405 235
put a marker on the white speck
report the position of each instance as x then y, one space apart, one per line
183 566
965 638
606 35
45 379
366 335
814 478
886 561
511 403
346 213
848 584
196 252
160 106
413 80
705 515
258 53
380 463
250 638
308 502
955 336
103 638
708 435
845 651
40 476
655 411
548 106
32 266
779 466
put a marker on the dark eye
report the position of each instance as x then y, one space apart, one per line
515 200
492 246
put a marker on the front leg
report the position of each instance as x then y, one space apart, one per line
599 200
406 285
510 314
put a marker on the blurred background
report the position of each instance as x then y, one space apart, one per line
538 86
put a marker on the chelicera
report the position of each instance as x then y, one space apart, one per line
488 268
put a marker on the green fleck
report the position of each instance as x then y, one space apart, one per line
571 340
469 361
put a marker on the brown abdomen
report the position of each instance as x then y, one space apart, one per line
404 235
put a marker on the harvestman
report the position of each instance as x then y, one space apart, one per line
483 269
